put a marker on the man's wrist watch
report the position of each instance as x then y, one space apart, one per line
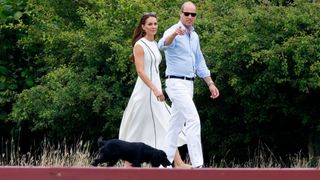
210 83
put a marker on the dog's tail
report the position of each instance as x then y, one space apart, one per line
100 141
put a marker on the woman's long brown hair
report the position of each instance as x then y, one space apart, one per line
139 32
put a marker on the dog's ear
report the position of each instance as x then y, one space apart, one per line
162 159
165 162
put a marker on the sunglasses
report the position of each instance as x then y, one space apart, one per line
188 13
149 13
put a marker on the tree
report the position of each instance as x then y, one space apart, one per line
264 56
266 61
88 76
16 71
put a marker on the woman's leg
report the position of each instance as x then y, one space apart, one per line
178 162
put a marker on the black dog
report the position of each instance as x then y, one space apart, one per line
135 152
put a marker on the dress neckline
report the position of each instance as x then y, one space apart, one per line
148 40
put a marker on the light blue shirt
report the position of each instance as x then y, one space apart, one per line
183 56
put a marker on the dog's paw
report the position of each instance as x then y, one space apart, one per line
94 164
165 166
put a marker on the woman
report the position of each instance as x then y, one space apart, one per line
146 117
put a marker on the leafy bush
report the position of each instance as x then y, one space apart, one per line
267 68
264 56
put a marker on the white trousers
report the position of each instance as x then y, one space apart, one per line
183 112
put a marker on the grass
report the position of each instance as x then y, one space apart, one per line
264 158
78 155
64 155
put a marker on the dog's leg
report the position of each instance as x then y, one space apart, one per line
136 164
97 161
103 157
112 162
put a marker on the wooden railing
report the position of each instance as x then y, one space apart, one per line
72 173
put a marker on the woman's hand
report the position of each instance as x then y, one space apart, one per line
159 95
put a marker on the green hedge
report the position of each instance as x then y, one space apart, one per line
264 57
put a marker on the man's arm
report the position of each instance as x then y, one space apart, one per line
170 38
208 81
212 87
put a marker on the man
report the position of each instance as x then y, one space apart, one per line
184 60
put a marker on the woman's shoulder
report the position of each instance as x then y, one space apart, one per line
139 42
139 46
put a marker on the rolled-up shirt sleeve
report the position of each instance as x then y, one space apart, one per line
164 37
201 66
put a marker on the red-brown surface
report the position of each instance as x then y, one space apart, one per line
57 173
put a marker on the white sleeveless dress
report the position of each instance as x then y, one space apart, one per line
146 119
